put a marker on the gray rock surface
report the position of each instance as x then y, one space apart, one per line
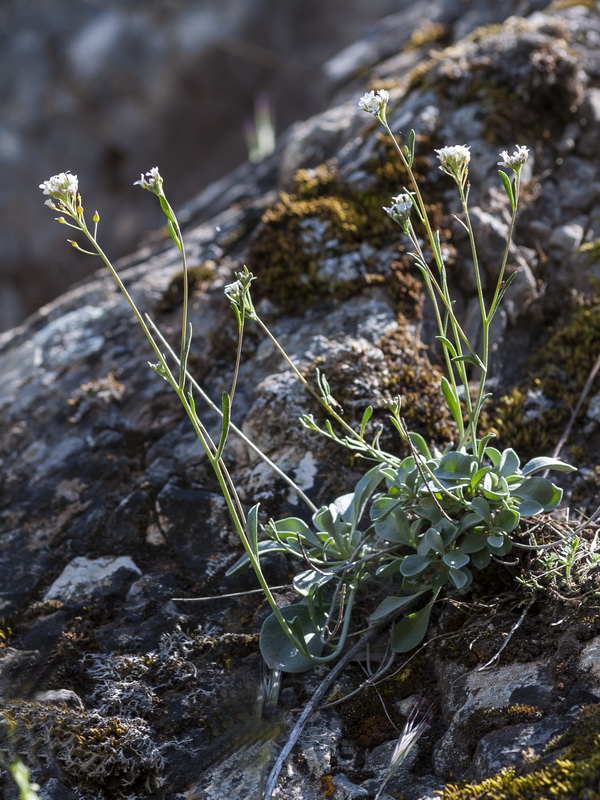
100 468
109 89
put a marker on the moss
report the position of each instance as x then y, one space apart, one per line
574 772
366 718
591 250
321 219
523 83
429 33
559 373
6 633
484 720
559 5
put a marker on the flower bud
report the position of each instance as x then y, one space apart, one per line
454 161
516 161
152 181
374 102
61 187
400 209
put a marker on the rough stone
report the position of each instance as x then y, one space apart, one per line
84 577
98 460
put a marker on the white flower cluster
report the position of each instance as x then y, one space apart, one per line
454 160
374 102
62 187
516 161
151 180
399 211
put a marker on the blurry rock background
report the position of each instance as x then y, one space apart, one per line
109 89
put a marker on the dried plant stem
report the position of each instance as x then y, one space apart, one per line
310 707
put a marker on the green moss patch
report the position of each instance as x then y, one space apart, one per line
573 772
324 220
559 373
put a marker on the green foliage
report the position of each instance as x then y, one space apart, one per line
439 517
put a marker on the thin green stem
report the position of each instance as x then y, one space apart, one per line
229 493
511 229
471 234
430 282
487 317
168 374
321 400
457 332
234 428
475 411
170 214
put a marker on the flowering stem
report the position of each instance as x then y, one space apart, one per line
72 206
248 442
513 219
487 317
91 237
175 232
457 332
476 409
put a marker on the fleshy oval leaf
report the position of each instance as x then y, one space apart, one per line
455 560
277 649
392 604
410 631
414 565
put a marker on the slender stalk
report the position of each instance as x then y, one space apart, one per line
186 289
513 219
471 234
321 400
83 227
238 432
487 316
227 489
443 291
474 412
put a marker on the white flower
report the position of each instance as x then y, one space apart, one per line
374 102
516 161
151 181
234 291
399 211
62 187
454 160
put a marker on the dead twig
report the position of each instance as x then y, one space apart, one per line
509 636
584 392
310 707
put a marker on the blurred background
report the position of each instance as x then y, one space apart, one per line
108 89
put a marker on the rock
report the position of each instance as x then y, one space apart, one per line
497 688
84 577
114 539
505 748
65 697
567 238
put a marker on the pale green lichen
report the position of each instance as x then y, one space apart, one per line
107 754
